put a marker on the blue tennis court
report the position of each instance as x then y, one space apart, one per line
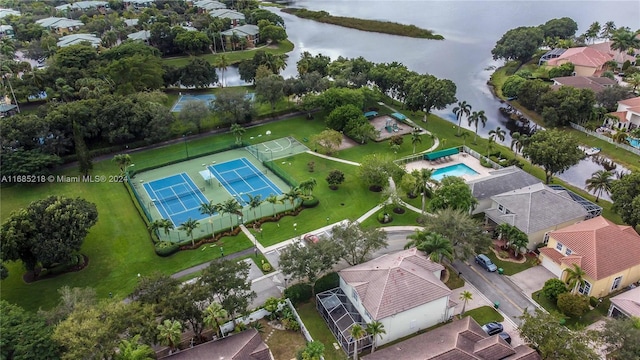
177 198
205 98
240 177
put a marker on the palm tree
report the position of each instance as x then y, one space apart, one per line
7 49
167 226
593 31
189 226
357 333
293 195
633 80
620 137
624 40
433 244
497 133
213 314
109 38
463 109
607 30
465 296
273 200
170 333
232 207
477 118
416 138
306 187
123 161
208 209
490 145
375 329
575 278
154 226
134 350
222 62
254 203
599 182
517 142
424 184
237 130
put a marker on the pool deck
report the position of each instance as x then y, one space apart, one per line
461 158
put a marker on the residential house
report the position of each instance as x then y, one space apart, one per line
535 210
205 6
142 35
498 182
138 4
62 26
627 115
235 17
7 109
618 56
248 32
75 39
8 12
6 31
402 291
463 339
247 345
595 83
131 22
608 253
101 6
626 304
587 61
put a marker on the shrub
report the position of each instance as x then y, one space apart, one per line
311 166
266 267
310 202
593 301
572 304
553 288
298 293
384 217
327 282
166 248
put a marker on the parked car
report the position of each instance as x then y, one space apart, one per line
505 336
311 238
493 328
486 263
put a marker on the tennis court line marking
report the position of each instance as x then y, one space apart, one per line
262 177
187 182
154 197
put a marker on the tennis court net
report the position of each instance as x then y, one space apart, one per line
232 177
178 196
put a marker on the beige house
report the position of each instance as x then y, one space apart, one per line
608 253
535 210
403 291
587 61
627 114
459 340
626 304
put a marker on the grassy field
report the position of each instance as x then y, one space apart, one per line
454 281
319 330
234 57
484 314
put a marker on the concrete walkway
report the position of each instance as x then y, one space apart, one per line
332 158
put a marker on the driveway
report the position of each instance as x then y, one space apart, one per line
532 279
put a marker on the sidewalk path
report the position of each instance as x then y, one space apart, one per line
332 158
197 268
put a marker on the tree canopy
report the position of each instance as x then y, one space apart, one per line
519 44
356 244
25 336
452 193
625 194
553 150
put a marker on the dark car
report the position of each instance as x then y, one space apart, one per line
493 328
505 336
486 263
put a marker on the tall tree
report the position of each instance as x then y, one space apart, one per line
328 141
222 62
375 170
186 304
199 73
453 193
375 329
25 335
238 130
134 350
170 333
607 30
625 194
355 244
599 182
123 161
152 289
233 106
209 209
461 229
463 109
575 278
518 44
424 184
624 40
553 150
433 244
426 92
292 196
192 114
231 206
254 203
620 337
416 138
270 89
308 262
214 313
553 340
593 31
498 133
357 333
477 118
465 296
227 282
273 200
188 227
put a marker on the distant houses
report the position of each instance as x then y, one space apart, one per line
595 83
138 4
61 26
627 116
75 39
248 32
142 35
101 6
6 31
587 61
208 5
235 17
8 12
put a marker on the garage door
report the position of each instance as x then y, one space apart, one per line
551 266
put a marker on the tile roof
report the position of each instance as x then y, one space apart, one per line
7 12
583 56
599 246
458 340
618 56
500 181
140 35
247 345
631 102
597 84
227 14
74 39
58 22
536 207
242 30
394 283
621 115
628 301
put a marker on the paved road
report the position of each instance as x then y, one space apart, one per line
497 289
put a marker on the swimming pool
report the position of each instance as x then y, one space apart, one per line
634 142
453 170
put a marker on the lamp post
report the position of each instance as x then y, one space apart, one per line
295 229
285 283
186 147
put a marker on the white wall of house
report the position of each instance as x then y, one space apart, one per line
482 205
551 265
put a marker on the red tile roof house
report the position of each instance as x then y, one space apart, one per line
459 340
247 345
618 56
595 83
626 304
403 291
587 61
628 114
608 253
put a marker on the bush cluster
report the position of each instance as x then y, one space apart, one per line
327 282
298 293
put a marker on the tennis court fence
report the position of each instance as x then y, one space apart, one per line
140 203
281 173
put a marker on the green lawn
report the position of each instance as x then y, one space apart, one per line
454 281
510 268
407 219
234 57
589 318
319 330
484 314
